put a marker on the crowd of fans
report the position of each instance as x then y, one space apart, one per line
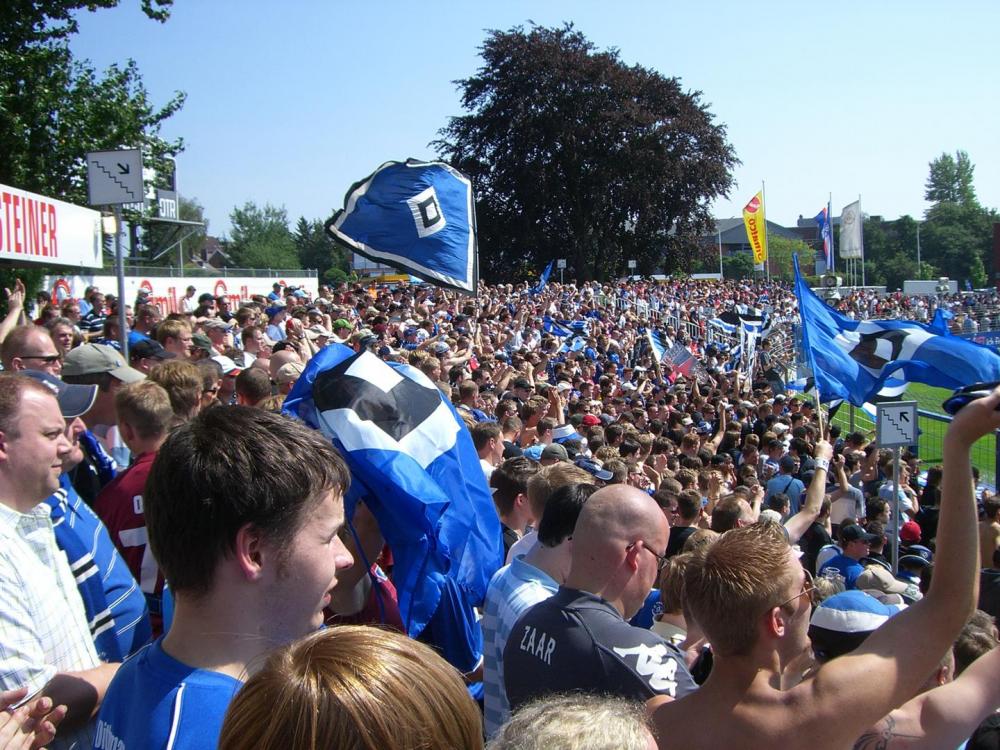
694 556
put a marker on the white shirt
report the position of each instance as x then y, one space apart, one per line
43 623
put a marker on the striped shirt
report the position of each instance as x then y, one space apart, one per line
43 626
514 590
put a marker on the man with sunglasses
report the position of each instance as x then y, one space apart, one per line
30 347
750 594
580 638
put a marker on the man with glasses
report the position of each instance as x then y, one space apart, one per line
750 594
30 347
580 638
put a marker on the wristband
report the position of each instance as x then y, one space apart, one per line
822 463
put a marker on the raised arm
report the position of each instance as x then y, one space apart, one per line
797 525
944 716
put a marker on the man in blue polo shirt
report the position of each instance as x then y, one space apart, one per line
856 543
251 556
579 639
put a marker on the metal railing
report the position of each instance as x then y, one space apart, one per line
932 427
205 273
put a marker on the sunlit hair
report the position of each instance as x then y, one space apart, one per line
672 584
184 383
353 688
730 585
578 721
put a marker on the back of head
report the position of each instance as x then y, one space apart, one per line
727 514
228 467
252 386
578 721
510 479
145 407
184 383
548 479
353 688
730 585
561 513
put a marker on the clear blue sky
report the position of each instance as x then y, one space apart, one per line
290 102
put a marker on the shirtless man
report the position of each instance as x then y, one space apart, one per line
989 532
750 595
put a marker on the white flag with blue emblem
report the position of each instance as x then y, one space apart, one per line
416 216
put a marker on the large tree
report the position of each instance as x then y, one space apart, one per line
317 250
261 238
575 154
54 109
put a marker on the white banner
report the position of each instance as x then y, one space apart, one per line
851 240
36 229
166 291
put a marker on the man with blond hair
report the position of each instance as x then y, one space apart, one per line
176 337
144 418
751 597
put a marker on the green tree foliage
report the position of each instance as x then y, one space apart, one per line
950 180
261 238
575 154
780 250
891 252
957 232
53 109
160 240
316 249
738 266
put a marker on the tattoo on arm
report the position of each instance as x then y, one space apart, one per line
882 736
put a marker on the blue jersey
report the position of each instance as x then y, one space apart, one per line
156 702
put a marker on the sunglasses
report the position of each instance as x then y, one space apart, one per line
808 588
47 358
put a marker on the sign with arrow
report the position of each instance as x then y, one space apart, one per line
114 177
897 424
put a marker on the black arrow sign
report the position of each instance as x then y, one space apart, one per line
904 416
124 168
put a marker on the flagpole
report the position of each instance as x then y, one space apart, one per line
829 218
861 233
767 260
721 276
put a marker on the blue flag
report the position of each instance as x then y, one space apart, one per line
556 328
416 216
414 465
544 278
823 221
853 359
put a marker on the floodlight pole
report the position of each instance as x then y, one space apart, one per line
120 273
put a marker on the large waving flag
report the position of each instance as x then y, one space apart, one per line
676 355
416 216
414 465
853 359
756 225
544 278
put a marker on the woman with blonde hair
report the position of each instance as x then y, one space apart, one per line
353 688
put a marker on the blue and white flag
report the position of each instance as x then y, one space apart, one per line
853 359
414 465
544 278
416 216
556 328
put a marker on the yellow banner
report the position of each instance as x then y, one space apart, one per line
753 220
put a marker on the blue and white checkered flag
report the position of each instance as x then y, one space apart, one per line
416 216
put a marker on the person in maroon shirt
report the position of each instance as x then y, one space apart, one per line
144 418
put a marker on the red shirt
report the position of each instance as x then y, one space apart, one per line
119 505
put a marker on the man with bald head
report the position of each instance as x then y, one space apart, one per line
580 639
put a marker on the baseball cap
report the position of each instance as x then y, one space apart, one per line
522 383
843 621
288 373
317 332
593 469
877 578
855 533
149 349
74 400
274 310
910 532
218 323
555 451
96 359
228 366
787 463
202 342
342 323
590 420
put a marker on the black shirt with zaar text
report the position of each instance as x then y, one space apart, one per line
578 641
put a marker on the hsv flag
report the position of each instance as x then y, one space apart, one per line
414 465
853 360
823 221
416 216
544 278
851 239
754 221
